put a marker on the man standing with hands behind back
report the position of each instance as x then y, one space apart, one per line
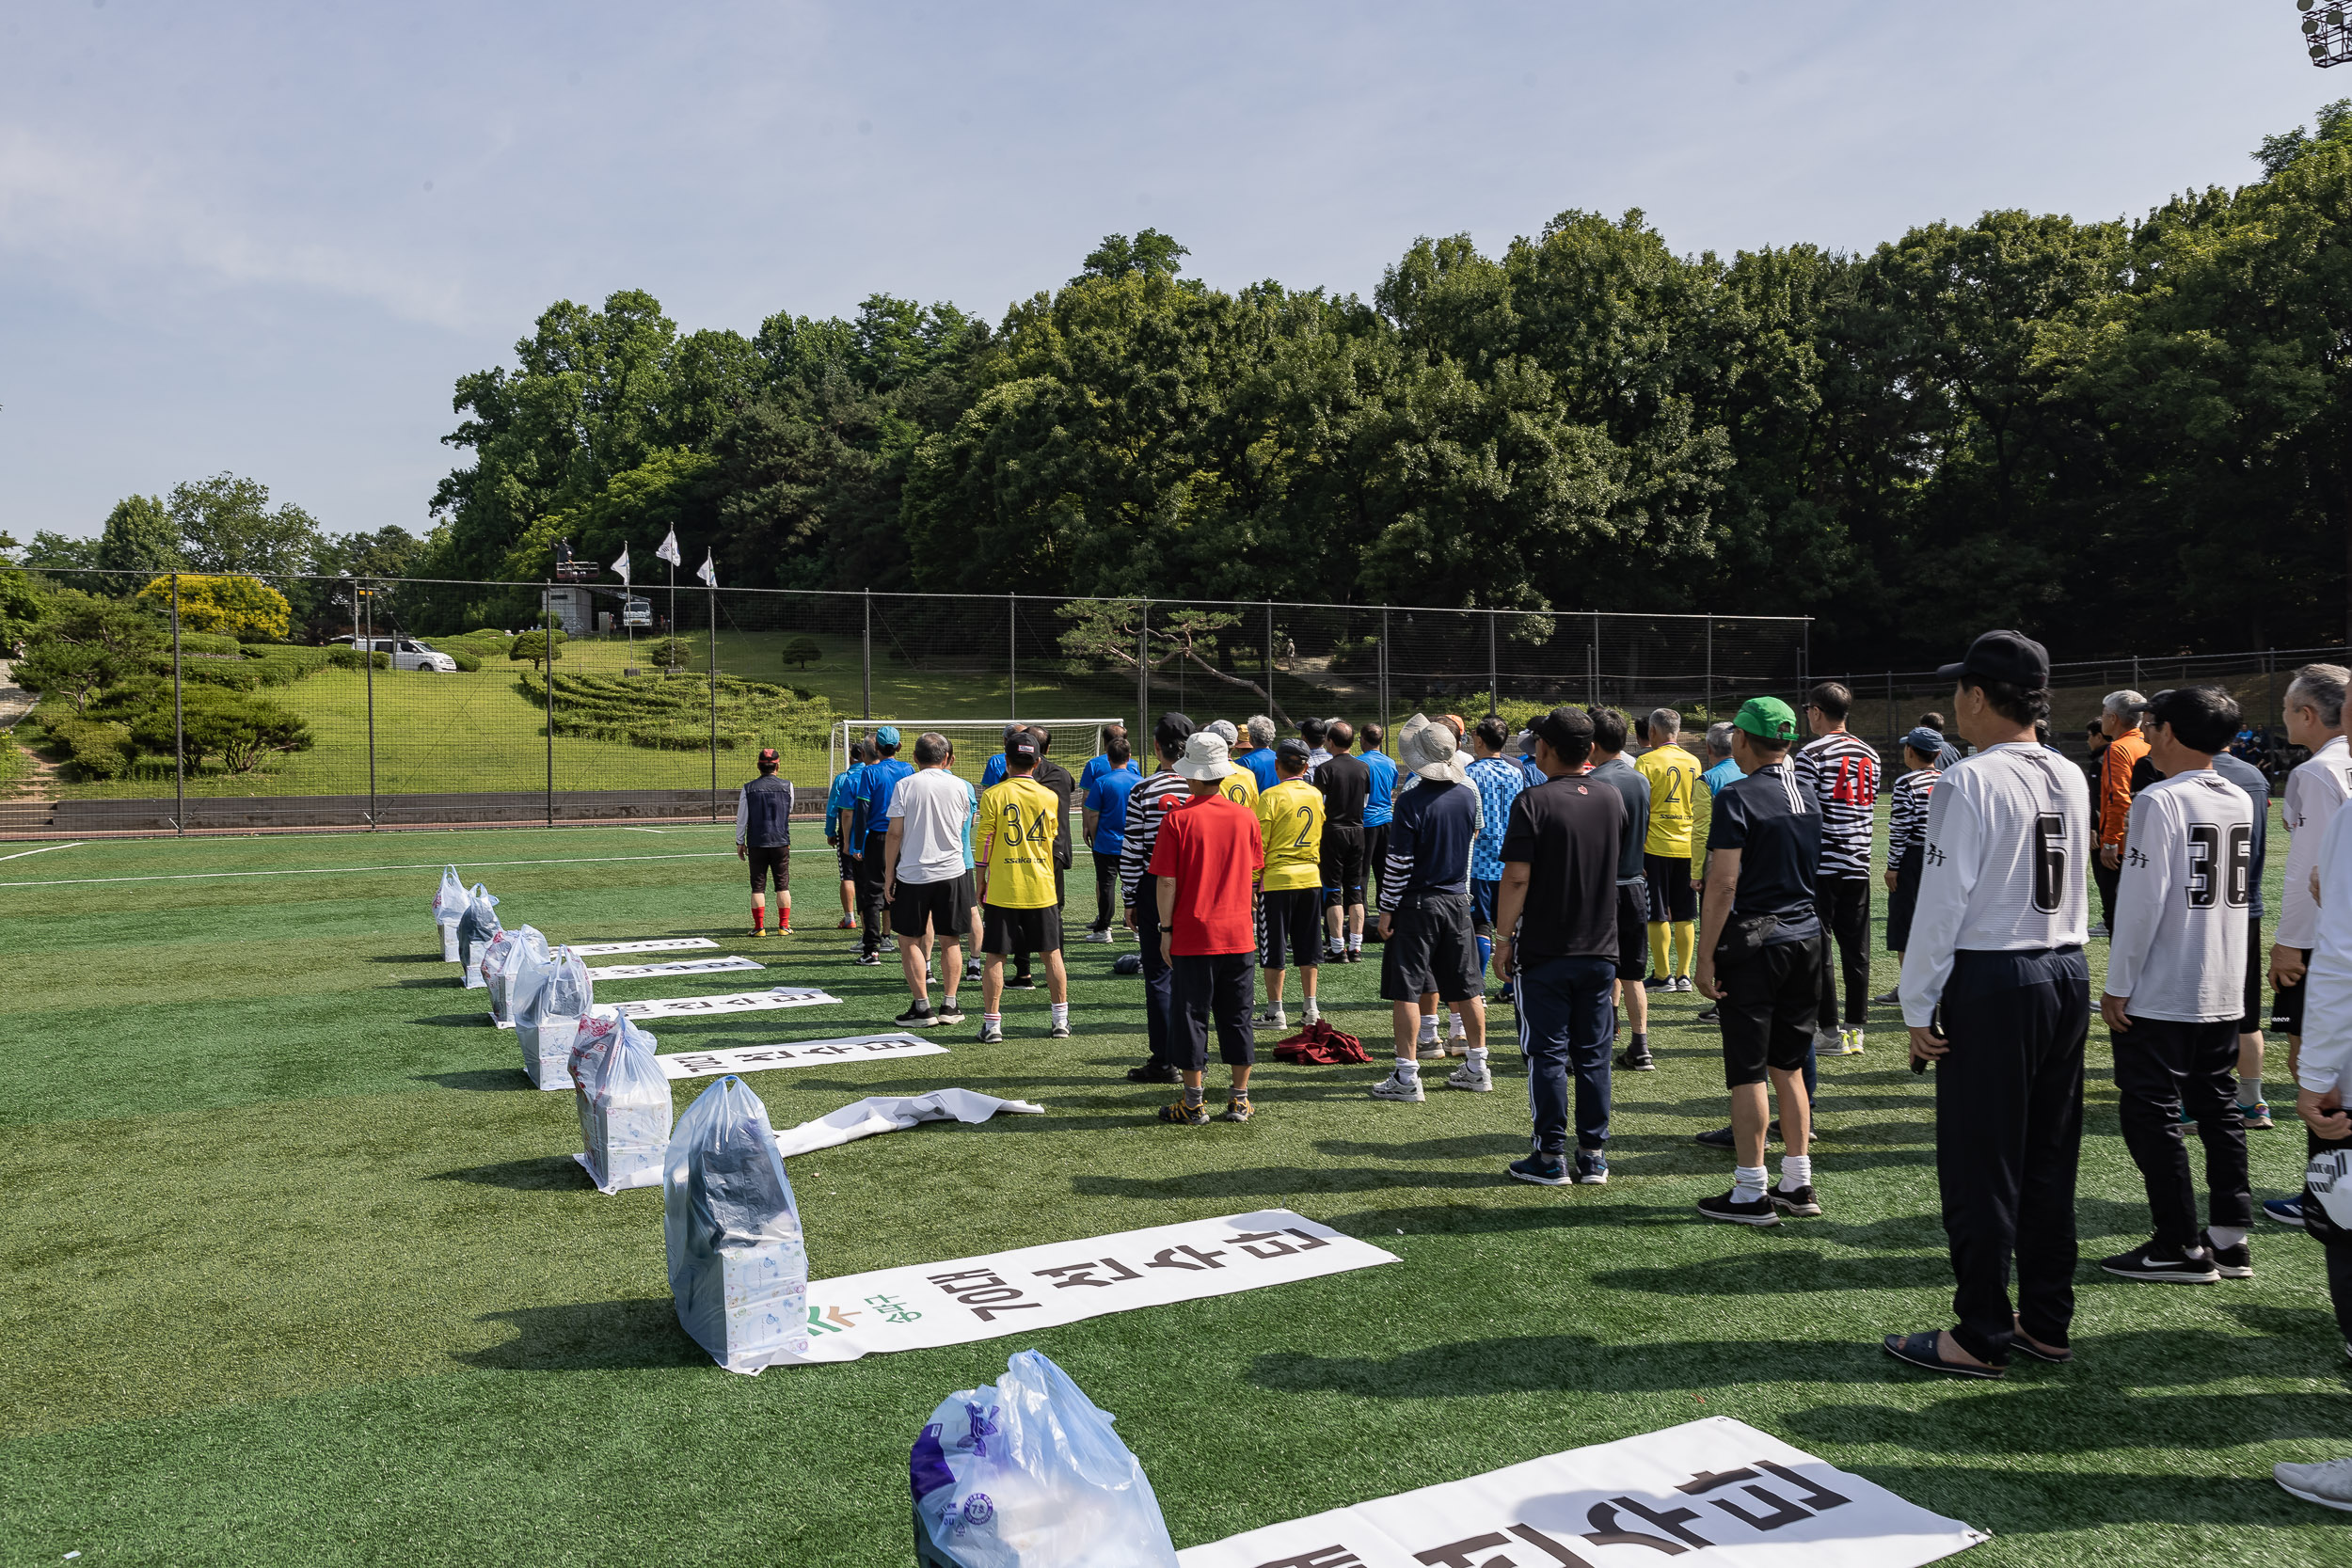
1997 995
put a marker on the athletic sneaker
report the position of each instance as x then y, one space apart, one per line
1396 1088
760 931
1096 937
1334 955
973 968
1542 1169
992 1034
2286 1211
1797 1201
1849 1043
1058 1032
2257 1116
919 1016
1236 1109
2230 1263
1729 1207
1478 1080
1659 982
1592 1168
847 924
1020 982
1710 1014
1827 1044
1186 1115
1637 1060
1267 1018
2155 1262
867 960
1355 954
2328 1483
1891 999
1153 1072
1721 1137
1683 983
949 1013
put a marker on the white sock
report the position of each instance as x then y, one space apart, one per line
1478 1058
1796 1170
1428 1031
1408 1070
1314 1013
1747 1183
992 1019
2227 1235
1356 942
1061 1012
1460 1030
2250 1090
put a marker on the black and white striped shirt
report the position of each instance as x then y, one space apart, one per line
1841 772
1907 819
1151 799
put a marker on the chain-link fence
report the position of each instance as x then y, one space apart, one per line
171 705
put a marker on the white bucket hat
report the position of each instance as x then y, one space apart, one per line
1206 756
1426 746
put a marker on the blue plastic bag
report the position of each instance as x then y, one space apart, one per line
1026 1473
624 1103
738 1269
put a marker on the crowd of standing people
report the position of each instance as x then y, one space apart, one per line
1590 858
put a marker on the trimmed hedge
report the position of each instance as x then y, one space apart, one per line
672 713
350 658
99 749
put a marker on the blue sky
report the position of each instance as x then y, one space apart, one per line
267 238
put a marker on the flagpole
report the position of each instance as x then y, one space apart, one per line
711 578
673 566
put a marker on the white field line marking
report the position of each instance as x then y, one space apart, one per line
43 850
354 870
640 829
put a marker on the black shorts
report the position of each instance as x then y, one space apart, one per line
768 860
1768 1006
1342 863
2257 966
1904 901
1431 947
1671 895
941 908
1290 917
1632 930
1006 931
2286 1003
849 865
1375 851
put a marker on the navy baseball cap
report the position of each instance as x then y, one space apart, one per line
1925 741
1293 750
2011 657
1020 743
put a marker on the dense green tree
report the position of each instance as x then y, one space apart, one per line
224 524
140 537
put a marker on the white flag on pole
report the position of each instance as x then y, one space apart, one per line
706 571
622 567
668 551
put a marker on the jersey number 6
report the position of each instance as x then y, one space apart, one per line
2049 862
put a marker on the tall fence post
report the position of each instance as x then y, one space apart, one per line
179 725
1711 670
546 665
1143 670
1594 674
1891 731
869 656
1387 710
1494 670
1012 655
367 597
1269 657
712 659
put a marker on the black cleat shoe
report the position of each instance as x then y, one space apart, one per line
2230 1263
1020 982
919 1016
949 1013
1155 1072
1729 1207
2159 1264
1637 1061
1711 1015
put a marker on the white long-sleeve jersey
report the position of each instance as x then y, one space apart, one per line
2314 790
2179 946
2008 828
2325 1060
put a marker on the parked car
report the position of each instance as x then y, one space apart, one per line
407 653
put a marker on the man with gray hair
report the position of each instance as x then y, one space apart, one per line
1259 759
2120 775
2314 721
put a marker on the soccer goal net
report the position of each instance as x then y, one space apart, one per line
1073 742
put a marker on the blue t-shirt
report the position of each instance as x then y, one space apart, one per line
1261 766
994 774
1774 823
1429 840
841 797
1534 774
1499 782
877 782
1720 777
1380 806
1108 795
2249 778
971 821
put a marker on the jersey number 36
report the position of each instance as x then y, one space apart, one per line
2209 883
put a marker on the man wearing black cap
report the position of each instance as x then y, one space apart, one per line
763 835
1997 994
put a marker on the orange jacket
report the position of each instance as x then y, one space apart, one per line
2115 785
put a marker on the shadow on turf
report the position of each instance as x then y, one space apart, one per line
2050 1419
1558 1362
637 1332
490 1080
548 1173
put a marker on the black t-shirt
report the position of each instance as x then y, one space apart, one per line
1054 776
1345 781
1566 832
1772 820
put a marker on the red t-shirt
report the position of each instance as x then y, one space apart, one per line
1211 849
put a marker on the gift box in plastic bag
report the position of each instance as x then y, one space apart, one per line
738 1269
547 1025
449 907
476 930
622 1101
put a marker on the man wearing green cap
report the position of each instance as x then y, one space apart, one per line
1760 955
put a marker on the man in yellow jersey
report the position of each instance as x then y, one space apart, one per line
1020 822
1673 773
1290 820
1240 786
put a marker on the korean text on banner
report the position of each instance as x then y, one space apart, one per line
725 1006
761 1059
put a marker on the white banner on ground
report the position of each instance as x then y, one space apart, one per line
721 1007
883 1113
675 966
1066 1282
1718 1488
659 945
760 1058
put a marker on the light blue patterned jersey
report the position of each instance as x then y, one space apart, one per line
1500 780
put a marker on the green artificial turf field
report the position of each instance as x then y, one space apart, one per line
299 1270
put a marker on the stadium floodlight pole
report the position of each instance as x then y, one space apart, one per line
1595 674
367 601
547 664
179 725
1269 652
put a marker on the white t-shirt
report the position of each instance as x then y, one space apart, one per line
2179 948
934 806
2008 831
2314 790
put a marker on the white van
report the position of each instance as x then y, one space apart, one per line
408 654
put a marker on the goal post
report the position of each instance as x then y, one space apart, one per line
1074 740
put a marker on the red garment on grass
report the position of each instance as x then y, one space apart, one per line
1211 849
1320 1045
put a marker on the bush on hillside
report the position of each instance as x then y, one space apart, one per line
533 646
230 605
208 645
351 659
666 714
239 730
466 662
97 747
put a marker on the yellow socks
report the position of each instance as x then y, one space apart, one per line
1686 943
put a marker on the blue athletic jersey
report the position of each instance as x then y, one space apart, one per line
1380 806
1261 766
841 797
877 782
994 774
1108 795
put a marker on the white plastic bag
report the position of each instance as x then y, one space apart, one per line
449 907
475 929
527 964
547 1025
1026 1473
739 1270
624 1103
498 965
